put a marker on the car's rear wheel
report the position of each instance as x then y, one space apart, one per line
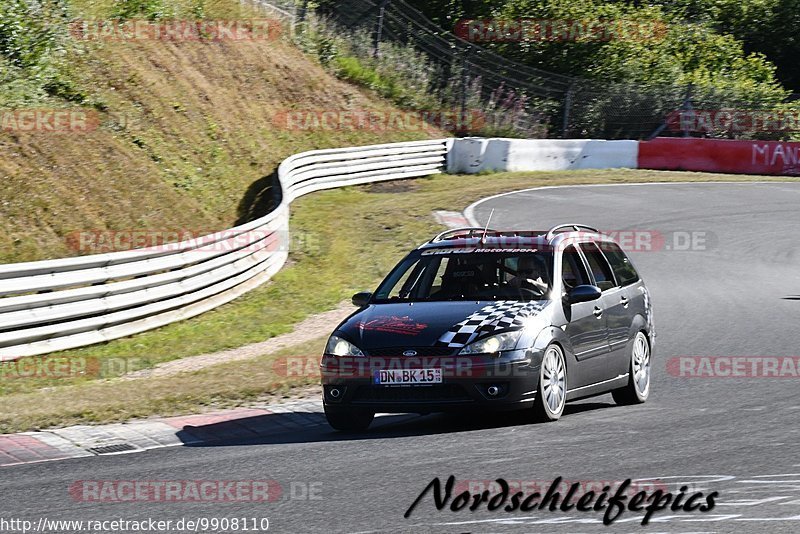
552 390
348 419
638 388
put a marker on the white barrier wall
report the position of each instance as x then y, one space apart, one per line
474 155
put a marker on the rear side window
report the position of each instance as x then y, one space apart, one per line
573 272
622 266
603 276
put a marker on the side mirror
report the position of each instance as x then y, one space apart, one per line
361 299
584 293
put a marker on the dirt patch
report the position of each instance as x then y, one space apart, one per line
393 186
305 331
297 393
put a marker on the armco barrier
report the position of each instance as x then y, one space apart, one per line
473 155
52 305
717 155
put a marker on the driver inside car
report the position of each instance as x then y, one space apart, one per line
529 275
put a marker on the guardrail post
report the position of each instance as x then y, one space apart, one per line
379 28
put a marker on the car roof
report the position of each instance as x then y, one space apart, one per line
513 240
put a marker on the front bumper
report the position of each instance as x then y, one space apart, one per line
467 385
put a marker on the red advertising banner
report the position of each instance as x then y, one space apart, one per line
720 155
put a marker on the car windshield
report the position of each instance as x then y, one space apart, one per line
441 274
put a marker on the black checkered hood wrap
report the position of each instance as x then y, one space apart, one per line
500 315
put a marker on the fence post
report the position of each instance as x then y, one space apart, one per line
303 10
464 80
379 28
687 106
567 108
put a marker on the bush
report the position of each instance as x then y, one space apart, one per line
34 46
152 10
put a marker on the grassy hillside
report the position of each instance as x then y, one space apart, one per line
186 131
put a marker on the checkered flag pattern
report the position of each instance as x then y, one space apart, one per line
500 315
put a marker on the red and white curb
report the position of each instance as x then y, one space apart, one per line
136 436
450 219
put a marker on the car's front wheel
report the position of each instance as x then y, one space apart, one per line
552 390
638 388
348 419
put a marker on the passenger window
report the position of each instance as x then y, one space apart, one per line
439 276
573 272
509 268
603 276
622 266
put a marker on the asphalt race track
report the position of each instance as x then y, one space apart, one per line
734 292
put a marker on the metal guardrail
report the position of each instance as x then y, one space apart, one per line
52 305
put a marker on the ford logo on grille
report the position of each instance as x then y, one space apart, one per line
410 353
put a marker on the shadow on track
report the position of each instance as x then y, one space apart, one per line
285 428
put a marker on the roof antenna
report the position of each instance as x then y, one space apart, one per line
483 237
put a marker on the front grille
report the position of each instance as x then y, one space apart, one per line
438 392
422 352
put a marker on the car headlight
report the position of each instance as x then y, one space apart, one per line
341 347
492 344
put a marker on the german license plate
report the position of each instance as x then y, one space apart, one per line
397 377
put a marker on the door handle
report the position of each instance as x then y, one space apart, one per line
624 301
597 312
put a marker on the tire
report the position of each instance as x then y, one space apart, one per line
552 388
638 388
348 419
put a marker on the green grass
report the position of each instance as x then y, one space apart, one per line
352 236
353 70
